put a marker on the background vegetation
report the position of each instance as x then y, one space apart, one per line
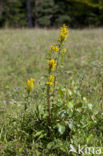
51 13
80 89
24 53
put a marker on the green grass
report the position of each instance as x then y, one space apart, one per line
75 110
23 55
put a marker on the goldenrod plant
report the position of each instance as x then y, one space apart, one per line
29 88
30 85
55 51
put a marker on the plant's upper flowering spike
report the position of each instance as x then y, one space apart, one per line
63 34
30 84
52 64
51 80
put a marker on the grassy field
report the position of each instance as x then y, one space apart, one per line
23 54
76 111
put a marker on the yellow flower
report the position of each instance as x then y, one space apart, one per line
7 87
30 84
63 33
54 48
52 64
64 50
50 80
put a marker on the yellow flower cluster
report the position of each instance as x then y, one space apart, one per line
64 51
54 48
7 87
50 80
52 64
30 84
59 47
63 33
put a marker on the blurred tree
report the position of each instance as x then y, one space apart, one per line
86 12
1 9
62 12
35 13
13 13
47 13
29 17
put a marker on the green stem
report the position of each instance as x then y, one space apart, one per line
26 101
56 70
48 101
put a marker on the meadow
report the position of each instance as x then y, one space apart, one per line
23 54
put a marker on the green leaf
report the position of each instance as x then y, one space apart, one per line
39 134
50 145
71 124
90 105
89 138
60 92
70 104
61 128
79 105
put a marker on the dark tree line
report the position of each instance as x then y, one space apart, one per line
51 13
